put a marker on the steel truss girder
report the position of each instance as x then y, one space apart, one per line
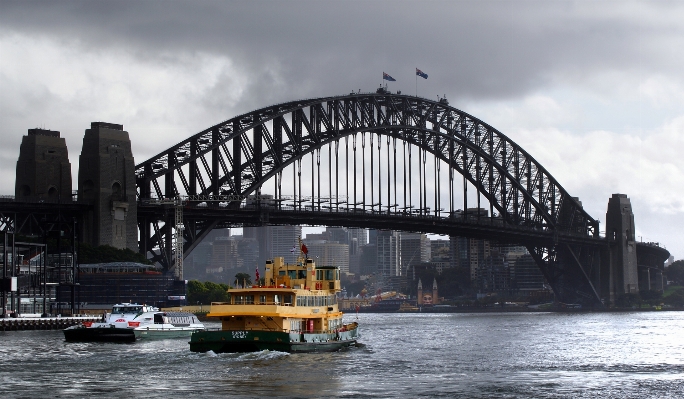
36 219
572 270
508 168
518 187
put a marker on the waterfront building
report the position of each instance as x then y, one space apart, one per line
494 274
415 249
388 253
528 279
224 255
478 252
274 241
458 252
116 282
329 253
368 264
357 239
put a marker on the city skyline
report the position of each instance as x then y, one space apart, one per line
592 91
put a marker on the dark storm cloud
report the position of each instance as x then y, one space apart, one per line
310 48
591 88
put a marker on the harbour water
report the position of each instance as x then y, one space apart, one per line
416 355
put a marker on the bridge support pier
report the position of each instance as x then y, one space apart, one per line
573 271
623 276
106 178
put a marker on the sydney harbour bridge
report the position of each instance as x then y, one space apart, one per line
373 160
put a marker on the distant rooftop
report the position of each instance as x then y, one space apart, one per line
43 132
105 125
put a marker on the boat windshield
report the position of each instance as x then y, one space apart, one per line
127 309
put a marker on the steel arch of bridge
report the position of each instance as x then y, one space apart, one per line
236 157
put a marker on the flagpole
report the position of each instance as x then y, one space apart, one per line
416 84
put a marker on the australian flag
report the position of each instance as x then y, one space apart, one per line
387 77
421 73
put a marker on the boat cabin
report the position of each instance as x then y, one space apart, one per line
295 297
131 308
302 275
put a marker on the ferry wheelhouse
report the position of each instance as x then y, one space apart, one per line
296 311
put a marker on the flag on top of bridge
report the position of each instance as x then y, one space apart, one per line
421 73
387 77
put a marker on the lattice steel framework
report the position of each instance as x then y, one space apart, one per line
235 158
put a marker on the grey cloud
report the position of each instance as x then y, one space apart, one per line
476 49
476 52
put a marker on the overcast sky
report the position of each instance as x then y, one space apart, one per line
594 90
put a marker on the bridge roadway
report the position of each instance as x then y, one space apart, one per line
36 216
484 228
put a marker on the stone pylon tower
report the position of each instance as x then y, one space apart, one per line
624 276
106 178
43 168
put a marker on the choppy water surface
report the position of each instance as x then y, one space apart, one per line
513 355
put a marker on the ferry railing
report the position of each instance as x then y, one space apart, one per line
247 302
344 328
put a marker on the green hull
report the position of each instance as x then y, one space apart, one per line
254 341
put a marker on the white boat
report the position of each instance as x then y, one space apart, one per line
130 321
169 325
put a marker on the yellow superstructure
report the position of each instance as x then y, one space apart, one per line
295 298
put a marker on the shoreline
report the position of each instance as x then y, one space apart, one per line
514 310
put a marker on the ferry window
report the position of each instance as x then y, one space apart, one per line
276 299
309 301
262 299
249 299
302 273
292 274
299 301
329 275
287 299
281 272
319 274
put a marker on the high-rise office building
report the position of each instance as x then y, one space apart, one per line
388 244
275 241
415 249
330 253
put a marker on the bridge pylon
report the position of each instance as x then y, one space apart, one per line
106 178
622 276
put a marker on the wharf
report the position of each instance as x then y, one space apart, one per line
43 323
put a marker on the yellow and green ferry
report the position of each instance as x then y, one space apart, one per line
295 310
